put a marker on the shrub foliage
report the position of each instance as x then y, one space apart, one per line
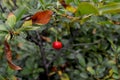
88 30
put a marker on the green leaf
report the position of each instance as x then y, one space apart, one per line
116 76
115 69
81 60
84 75
7 37
11 20
27 28
2 78
68 1
64 76
86 8
91 70
110 8
25 71
3 28
19 13
3 34
27 23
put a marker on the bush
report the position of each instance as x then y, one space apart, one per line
89 32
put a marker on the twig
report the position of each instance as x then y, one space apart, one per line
14 1
14 4
2 8
31 38
71 17
41 48
42 52
55 57
83 44
66 48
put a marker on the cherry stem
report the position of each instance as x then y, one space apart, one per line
56 37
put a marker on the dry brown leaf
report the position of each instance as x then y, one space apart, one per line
94 31
8 54
13 66
42 17
46 38
116 22
68 7
8 51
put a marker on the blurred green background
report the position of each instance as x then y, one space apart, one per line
91 42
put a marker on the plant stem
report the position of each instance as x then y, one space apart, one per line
43 55
2 8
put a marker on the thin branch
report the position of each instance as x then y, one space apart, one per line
66 48
31 38
2 8
40 44
43 54
14 1
55 57
83 44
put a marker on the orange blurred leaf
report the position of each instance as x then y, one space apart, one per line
7 51
116 22
42 17
13 66
59 72
46 38
54 69
62 2
9 57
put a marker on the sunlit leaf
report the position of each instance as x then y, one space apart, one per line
3 28
86 8
8 37
27 28
11 20
67 6
110 8
85 18
64 76
91 70
60 73
27 23
71 9
109 74
14 78
51 73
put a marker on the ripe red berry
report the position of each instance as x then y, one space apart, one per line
57 45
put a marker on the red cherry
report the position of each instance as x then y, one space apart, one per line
57 45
